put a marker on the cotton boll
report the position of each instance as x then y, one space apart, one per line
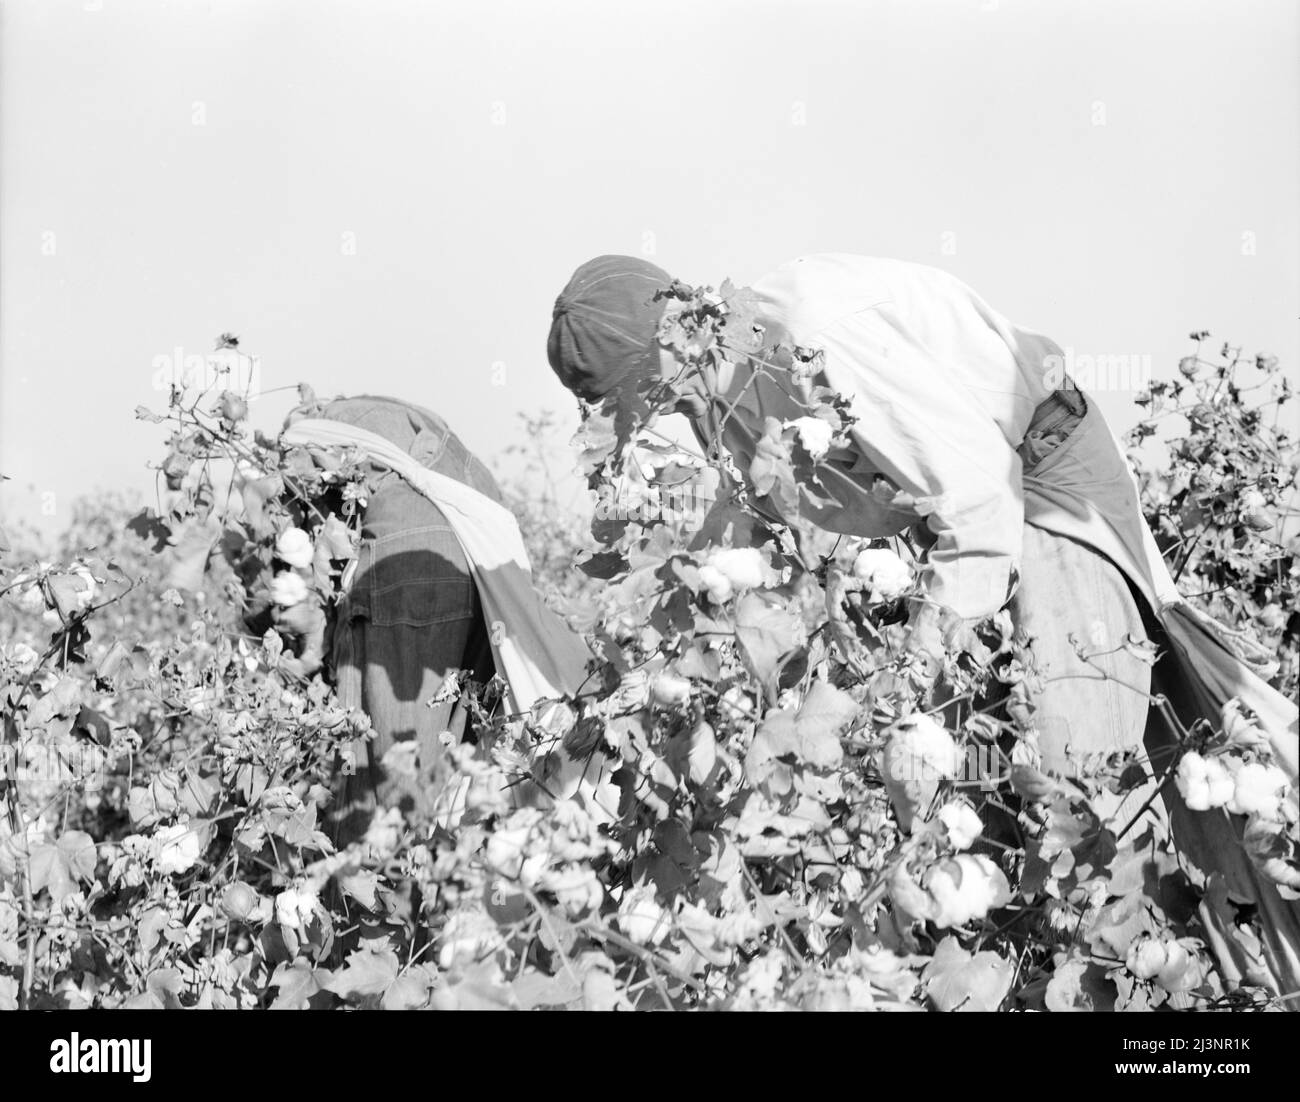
24 658
1258 790
908 897
962 823
295 907
921 747
670 690
883 572
737 927
1146 956
763 976
717 584
288 589
31 599
919 754
640 917
1252 501
814 434
89 587
1203 782
1173 964
736 706
633 691
175 848
576 887
965 888
294 546
467 937
1182 969
507 845
239 901
1241 731
744 567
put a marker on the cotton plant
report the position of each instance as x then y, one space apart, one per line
794 819
1234 772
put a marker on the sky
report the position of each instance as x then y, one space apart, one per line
384 197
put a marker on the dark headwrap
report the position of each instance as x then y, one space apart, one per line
604 324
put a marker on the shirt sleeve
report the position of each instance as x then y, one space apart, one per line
923 429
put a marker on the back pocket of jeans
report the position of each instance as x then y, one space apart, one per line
416 577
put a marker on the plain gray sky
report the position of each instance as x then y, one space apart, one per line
386 197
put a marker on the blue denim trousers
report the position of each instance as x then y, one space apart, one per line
411 617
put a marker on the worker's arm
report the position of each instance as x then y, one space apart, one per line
921 428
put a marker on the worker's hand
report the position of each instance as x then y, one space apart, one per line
922 536
307 621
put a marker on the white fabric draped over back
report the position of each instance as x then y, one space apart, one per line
536 654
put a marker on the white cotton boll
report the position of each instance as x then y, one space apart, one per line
294 546
908 897
1258 790
763 976
576 888
965 888
294 907
920 753
1180 971
468 936
737 927
402 759
32 599
24 658
86 594
736 705
717 584
670 690
508 844
1173 964
883 572
288 589
744 567
814 434
921 748
962 823
1219 781
633 691
1241 731
1203 782
175 848
640 917
1252 501
1146 957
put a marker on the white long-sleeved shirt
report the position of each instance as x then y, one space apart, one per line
943 388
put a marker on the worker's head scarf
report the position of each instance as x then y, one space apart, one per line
604 324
